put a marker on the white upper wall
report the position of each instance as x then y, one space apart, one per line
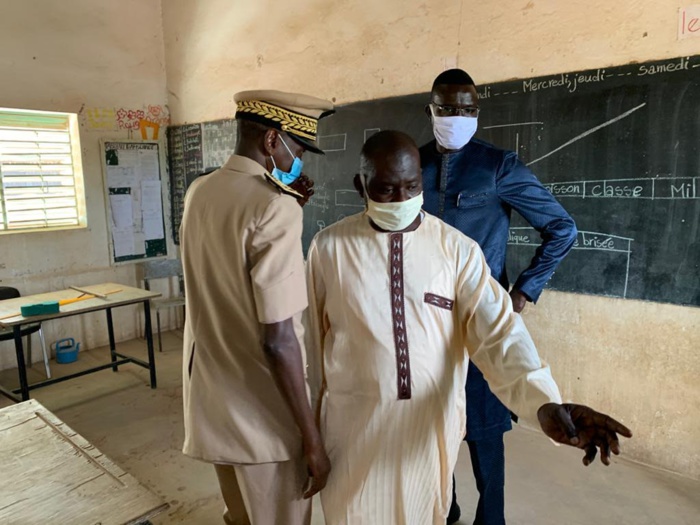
369 49
62 55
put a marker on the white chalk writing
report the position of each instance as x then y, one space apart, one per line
585 240
588 132
570 81
658 188
664 68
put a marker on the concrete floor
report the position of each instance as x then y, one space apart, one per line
141 430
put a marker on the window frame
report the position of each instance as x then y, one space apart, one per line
73 129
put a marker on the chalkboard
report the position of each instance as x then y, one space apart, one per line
218 142
178 178
617 146
193 149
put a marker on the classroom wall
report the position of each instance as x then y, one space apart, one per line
92 57
637 360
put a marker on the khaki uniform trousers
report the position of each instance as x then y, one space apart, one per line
265 493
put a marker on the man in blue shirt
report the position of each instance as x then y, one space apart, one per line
473 186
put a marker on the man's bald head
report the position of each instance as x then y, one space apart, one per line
389 146
390 165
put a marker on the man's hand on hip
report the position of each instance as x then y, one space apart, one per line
584 428
519 300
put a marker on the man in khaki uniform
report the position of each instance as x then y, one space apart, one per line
245 401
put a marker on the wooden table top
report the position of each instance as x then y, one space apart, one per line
51 474
126 295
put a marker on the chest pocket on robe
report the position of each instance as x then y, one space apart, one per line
439 301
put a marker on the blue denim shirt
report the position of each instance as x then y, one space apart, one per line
474 190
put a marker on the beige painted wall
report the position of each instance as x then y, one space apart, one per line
638 360
364 49
71 56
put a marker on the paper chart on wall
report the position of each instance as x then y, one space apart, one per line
129 158
152 209
122 211
148 164
123 239
139 243
120 177
153 226
135 202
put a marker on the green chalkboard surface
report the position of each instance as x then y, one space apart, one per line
619 147
193 150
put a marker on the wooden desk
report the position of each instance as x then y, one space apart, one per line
128 295
53 475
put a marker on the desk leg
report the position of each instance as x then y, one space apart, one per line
149 342
112 344
21 365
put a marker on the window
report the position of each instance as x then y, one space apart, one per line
41 174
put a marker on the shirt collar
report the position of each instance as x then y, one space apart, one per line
244 165
248 166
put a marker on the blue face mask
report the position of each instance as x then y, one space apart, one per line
294 172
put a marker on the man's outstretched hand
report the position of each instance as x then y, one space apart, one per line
584 428
305 186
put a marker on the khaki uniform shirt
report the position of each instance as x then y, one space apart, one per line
243 266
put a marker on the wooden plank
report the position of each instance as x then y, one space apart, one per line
51 474
88 292
127 295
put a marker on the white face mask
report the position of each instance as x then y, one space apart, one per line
453 133
393 216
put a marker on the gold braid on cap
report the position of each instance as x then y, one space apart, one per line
290 121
